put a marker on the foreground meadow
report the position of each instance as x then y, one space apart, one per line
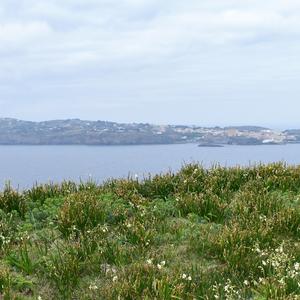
222 233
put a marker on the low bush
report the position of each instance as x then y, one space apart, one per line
11 200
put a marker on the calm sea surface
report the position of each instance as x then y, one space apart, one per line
25 165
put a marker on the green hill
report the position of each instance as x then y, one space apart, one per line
222 233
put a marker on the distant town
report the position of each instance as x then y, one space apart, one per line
79 132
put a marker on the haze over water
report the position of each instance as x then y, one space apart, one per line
26 165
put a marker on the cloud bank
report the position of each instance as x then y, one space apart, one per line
204 62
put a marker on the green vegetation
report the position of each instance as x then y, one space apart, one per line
222 233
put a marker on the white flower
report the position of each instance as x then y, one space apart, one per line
297 266
149 261
92 287
189 278
115 278
39 298
263 218
183 276
104 229
246 282
161 265
261 280
275 264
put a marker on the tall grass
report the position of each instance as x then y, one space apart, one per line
218 233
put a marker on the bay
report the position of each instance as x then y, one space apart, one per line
25 165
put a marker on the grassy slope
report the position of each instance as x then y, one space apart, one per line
198 234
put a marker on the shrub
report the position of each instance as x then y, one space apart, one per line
11 200
63 270
39 193
206 205
5 283
81 211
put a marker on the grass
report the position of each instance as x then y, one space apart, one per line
219 233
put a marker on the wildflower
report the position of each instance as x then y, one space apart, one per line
161 265
149 261
263 218
257 250
275 264
184 276
39 298
93 287
264 263
297 266
115 278
246 282
261 280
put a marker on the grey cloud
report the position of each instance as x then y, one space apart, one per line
125 59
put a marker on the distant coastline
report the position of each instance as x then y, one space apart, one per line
81 132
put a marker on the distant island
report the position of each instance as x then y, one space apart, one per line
80 132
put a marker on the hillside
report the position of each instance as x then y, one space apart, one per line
295 133
80 132
222 233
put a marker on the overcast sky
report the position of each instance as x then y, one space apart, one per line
208 62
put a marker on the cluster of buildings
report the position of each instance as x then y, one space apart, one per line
252 133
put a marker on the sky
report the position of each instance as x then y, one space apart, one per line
208 62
